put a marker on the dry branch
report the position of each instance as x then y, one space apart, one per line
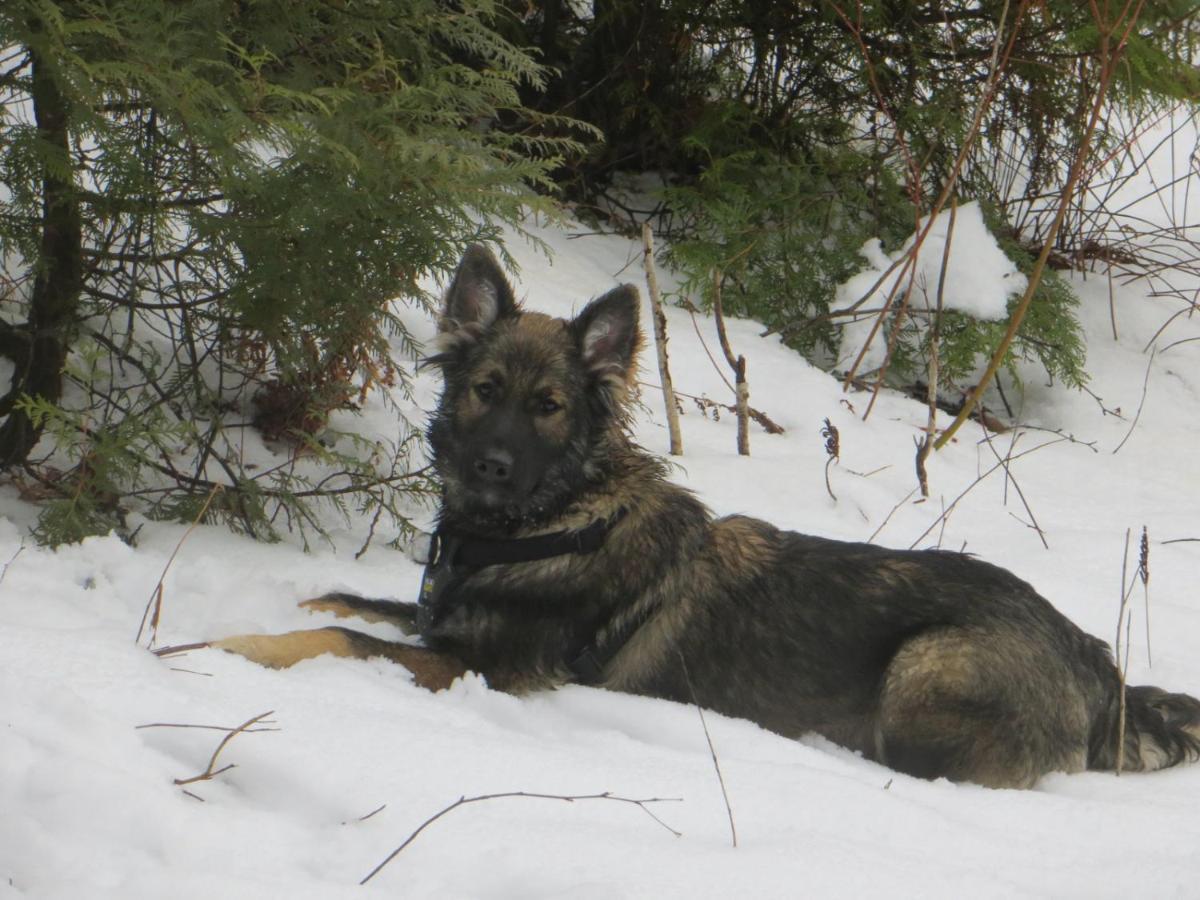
1003 464
997 67
926 443
1110 58
1141 403
711 749
741 387
463 801
1122 666
1010 477
887 518
156 595
210 772
769 425
660 341
12 559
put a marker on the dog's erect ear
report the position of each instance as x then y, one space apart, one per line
607 331
479 293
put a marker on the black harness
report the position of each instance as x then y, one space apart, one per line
454 555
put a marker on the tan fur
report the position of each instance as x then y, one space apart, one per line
434 671
282 651
331 603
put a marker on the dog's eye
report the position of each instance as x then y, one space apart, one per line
485 390
548 406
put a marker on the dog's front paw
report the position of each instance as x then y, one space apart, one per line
279 651
393 612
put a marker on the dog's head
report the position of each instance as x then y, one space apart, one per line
532 404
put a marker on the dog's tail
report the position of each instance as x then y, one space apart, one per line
1161 730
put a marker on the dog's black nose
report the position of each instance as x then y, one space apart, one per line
494 466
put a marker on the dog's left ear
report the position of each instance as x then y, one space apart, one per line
607 332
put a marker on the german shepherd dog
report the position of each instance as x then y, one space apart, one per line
563 554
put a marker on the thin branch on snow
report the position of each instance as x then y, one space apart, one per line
711 749
463 801
210 772
156 595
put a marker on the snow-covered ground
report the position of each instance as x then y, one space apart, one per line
89 806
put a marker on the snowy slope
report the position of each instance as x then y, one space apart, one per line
88 803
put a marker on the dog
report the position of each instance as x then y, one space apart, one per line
563 554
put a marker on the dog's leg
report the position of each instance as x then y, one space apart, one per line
430 669
992 708
395 612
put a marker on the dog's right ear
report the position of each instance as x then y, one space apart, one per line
478 296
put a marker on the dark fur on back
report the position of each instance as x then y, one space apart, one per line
934 663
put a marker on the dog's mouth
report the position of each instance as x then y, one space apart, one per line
488 505
499 509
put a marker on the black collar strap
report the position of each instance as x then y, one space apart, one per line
452 548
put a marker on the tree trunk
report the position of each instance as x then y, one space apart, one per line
39 347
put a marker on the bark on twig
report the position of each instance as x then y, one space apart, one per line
660 341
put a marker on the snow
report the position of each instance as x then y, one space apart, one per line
979 278
88 801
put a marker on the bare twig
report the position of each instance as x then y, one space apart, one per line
1141 403
711 749
926 443
888 517
741 387
224 728
179 649
1121 666
660 341
1009 477
463 801
949 509
12 559
210 772
703 343
156 595
769 425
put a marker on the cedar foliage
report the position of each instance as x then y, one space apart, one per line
207 209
